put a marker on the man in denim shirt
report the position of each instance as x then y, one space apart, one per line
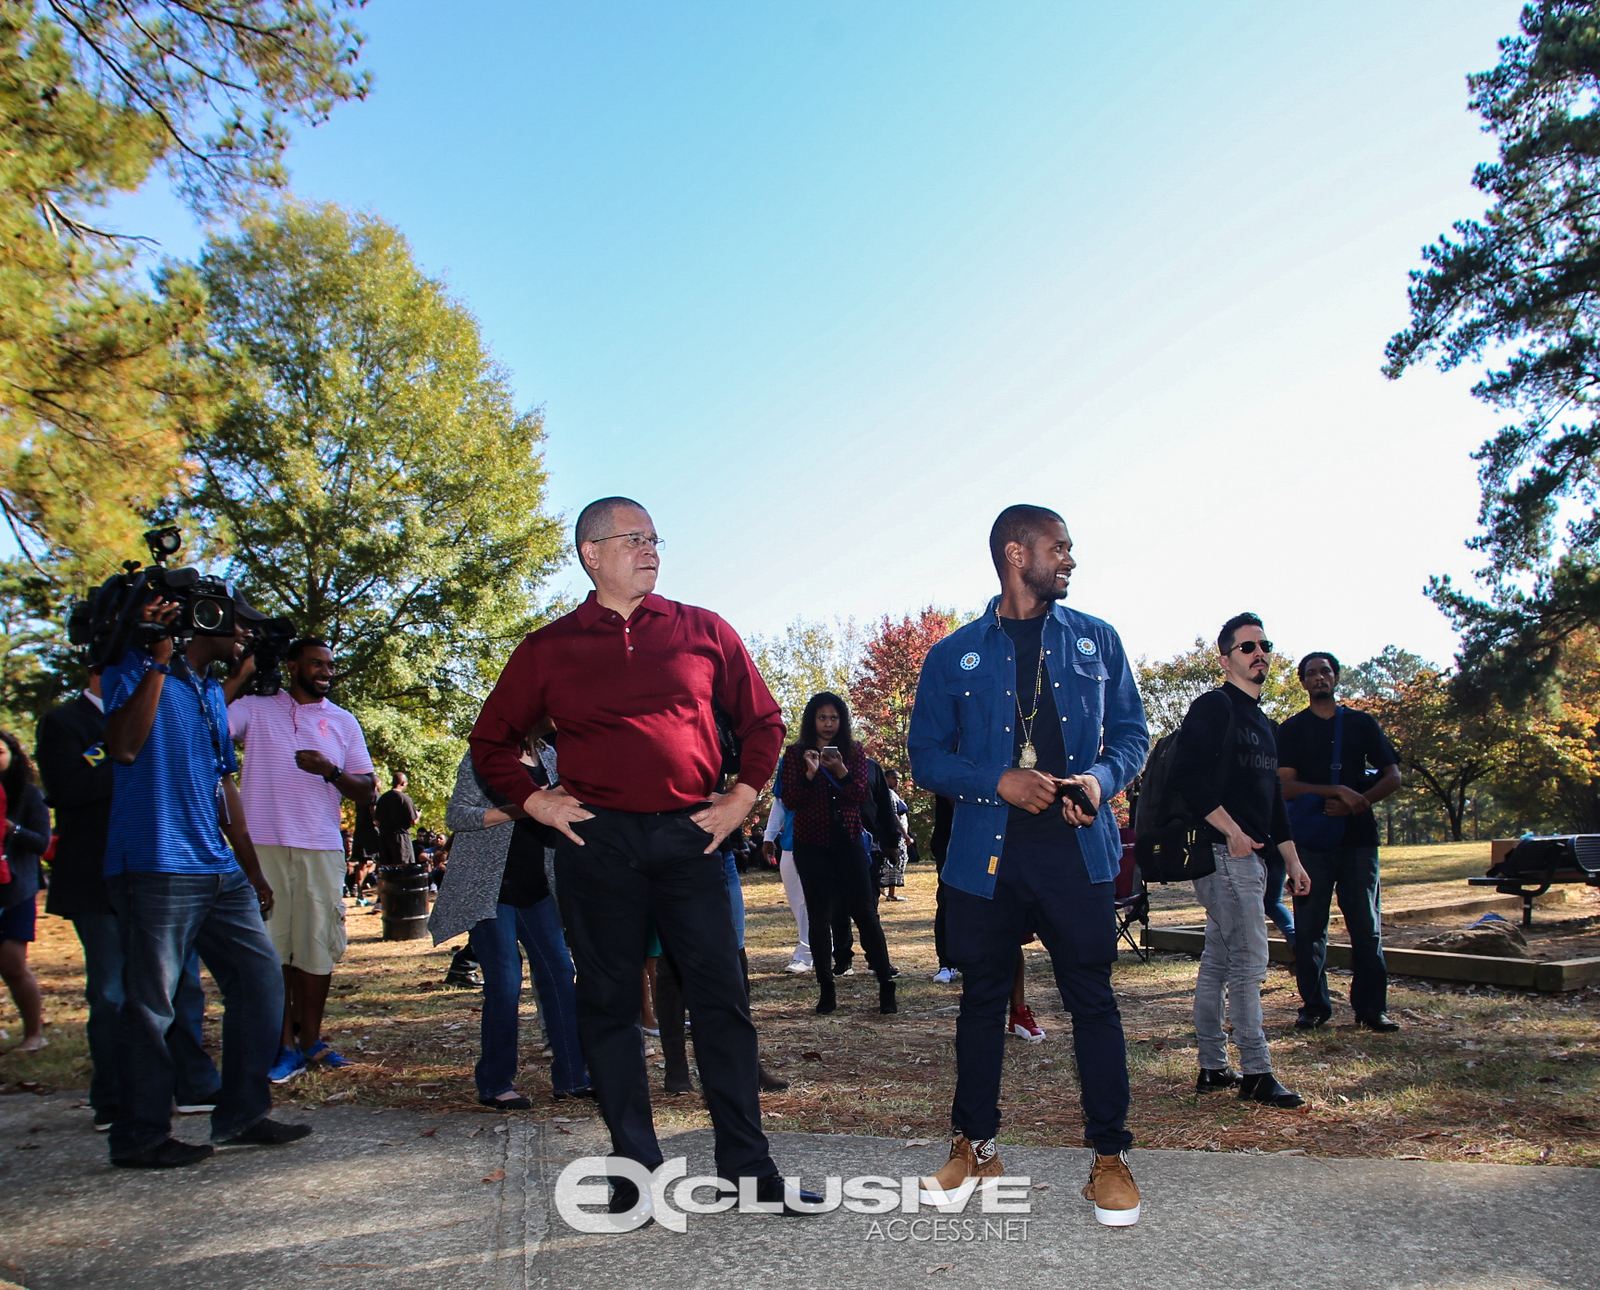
1012 708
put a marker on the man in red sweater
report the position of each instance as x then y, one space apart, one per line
629 679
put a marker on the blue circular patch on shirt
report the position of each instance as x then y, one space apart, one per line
1085 645
969 661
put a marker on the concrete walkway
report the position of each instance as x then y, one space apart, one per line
392 1200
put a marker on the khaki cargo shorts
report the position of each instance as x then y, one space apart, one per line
307 923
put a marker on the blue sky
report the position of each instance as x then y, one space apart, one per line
826 285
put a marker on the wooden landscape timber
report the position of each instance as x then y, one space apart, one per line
1515 974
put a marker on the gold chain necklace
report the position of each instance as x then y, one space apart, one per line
1028 758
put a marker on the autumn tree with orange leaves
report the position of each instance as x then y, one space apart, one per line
882 691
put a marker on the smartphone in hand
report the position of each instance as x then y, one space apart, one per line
1079 797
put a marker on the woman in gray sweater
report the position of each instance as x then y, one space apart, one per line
498 891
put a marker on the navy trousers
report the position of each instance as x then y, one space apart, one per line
1040 887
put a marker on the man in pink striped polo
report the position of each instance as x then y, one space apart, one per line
302 755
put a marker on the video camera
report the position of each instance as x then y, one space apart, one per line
108 621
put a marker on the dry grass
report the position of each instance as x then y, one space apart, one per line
1477 1074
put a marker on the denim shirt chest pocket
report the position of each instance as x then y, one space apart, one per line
1091 679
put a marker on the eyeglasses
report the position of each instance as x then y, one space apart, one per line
636 541
1250 647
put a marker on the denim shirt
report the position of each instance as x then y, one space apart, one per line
961 733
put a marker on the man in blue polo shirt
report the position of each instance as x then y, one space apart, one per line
1012 711
177 887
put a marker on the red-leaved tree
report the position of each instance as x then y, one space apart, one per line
882 691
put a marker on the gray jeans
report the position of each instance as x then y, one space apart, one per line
1234 964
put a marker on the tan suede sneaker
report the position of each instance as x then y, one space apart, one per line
968 1159
1113 1191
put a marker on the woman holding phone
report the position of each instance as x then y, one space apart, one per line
824 781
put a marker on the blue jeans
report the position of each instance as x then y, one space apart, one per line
1272 900
195 1073
736 896
1351 874
163 919
1043 887
538 927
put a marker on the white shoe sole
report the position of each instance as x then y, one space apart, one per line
936 1199
294 1074
1117 1217
797 968
1028 1034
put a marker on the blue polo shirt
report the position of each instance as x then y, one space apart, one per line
164 806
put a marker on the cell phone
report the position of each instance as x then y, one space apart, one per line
1078 796
831 748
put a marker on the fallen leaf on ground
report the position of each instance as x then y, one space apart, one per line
496 1176
811 1057
336 1097
917 1142
427 1133
560 1129
940 1267
1411 1157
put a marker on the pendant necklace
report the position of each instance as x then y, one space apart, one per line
1028 757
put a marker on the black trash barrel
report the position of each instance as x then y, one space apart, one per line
403 899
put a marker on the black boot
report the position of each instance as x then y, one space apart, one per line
886 1000
827 1000
1264 1088
1215 1081
669 1016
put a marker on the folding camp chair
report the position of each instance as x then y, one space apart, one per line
1132 900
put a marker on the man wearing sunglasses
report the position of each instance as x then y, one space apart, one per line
1226 769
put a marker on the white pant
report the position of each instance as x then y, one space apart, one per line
797 906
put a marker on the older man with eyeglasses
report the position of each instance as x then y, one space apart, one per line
1226 768
632 682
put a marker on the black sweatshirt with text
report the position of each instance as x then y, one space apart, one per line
1246 783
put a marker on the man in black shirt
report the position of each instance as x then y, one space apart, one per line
396 813
1225 767
1348 869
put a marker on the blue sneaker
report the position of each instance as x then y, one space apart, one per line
329 1059
291 1061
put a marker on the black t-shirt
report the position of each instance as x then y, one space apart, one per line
1305 742
1027 637
1245 781
395 812
524 882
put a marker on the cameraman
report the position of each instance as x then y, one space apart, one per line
177 887
78 778
292 740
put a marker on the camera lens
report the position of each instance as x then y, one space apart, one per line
209 615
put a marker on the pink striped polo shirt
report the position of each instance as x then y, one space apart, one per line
285 806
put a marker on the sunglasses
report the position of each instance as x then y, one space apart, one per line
1250 647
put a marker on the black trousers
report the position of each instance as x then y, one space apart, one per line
1044 887
835 879
630 867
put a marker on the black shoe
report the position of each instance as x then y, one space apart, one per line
886 1000
518 1103
267 1133
464 980
767 1082
577 1092
1312 1020
1266 1090
1215 1081
843 969
827 997
170 1154
770 1190
624 1196
103 1118
1381 1022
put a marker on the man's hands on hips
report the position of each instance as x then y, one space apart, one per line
725 814
558 809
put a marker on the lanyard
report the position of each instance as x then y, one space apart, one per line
199 689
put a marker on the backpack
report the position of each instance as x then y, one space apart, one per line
1172 846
